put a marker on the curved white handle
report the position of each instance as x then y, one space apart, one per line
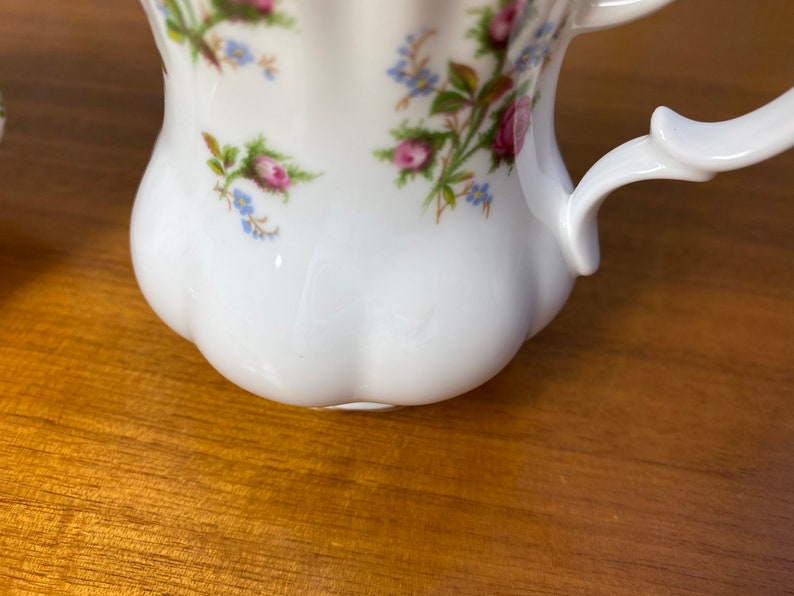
677 148
600 14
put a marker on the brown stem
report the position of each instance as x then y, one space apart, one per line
417 64
255 221
466 190
224 194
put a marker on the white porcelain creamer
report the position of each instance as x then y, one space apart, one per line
362 202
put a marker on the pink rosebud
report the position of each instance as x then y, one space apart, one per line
271 174
263 6
502 24
509 139
412 154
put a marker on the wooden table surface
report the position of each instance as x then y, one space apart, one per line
642 444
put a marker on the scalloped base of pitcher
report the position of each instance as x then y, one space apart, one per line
363 406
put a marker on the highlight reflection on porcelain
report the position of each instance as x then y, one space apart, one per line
361 202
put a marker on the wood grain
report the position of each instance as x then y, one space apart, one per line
642 444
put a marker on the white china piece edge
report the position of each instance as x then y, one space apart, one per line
676 148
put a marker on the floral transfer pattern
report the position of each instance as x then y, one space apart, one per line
468 113
272 172
185 26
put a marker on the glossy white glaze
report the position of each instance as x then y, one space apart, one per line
363 296
676 148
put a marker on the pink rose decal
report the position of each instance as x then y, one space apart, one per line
262 6
271 174
509 139
471 112
502 24
412 154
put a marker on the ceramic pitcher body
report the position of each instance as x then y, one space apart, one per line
358 201
333 209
